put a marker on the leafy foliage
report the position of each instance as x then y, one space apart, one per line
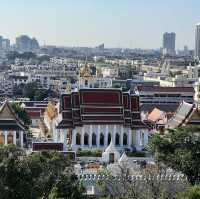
86 153
192 193
31 91
21 113
39 175
180 150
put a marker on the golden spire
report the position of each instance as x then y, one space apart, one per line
85 71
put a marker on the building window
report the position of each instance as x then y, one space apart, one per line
86 139
125 139
117 139
94 141
109 138
78 139
102 139
17 135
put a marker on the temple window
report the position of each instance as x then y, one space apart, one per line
78 139
125 142
94 142
117 139
102 139
17 134
86 139
109 138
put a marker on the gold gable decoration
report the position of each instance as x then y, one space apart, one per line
51 110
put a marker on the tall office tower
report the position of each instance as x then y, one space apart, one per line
197 41
169 40
1 40
25 43
6 44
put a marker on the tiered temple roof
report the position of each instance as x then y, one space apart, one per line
100 106
185 114
9 119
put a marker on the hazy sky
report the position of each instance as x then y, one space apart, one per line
117 23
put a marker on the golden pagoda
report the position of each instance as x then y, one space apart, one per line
85 72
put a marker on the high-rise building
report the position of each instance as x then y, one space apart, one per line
25 43
169 42
1 40
6 44
197 41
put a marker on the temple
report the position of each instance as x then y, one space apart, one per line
185 114
12 129
90 118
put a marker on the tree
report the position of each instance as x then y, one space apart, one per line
191 193
39 175
179 150
29 90
150 185
21 113
40 95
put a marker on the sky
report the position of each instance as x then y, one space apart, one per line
116 23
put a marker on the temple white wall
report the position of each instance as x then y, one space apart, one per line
89 137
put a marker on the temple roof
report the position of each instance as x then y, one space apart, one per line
9 119
111 148
165 89
183 115
123 158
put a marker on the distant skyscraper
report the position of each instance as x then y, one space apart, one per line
6 44
169 41
1 40
25 43
197 41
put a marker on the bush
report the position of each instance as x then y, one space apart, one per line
136 154
96 153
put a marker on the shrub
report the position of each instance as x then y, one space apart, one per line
87 153
136 154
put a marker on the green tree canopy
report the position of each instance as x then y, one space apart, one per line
39 175
32 91
29 90
179 150
21 113
192 193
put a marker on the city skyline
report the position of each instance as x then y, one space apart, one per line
128 24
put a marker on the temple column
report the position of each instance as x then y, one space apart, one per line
22 139
57 135
6 137
65 139
90 137
129 138
73 142
98 136
14 137
138 141
114 134
121 136
82 136
106 137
